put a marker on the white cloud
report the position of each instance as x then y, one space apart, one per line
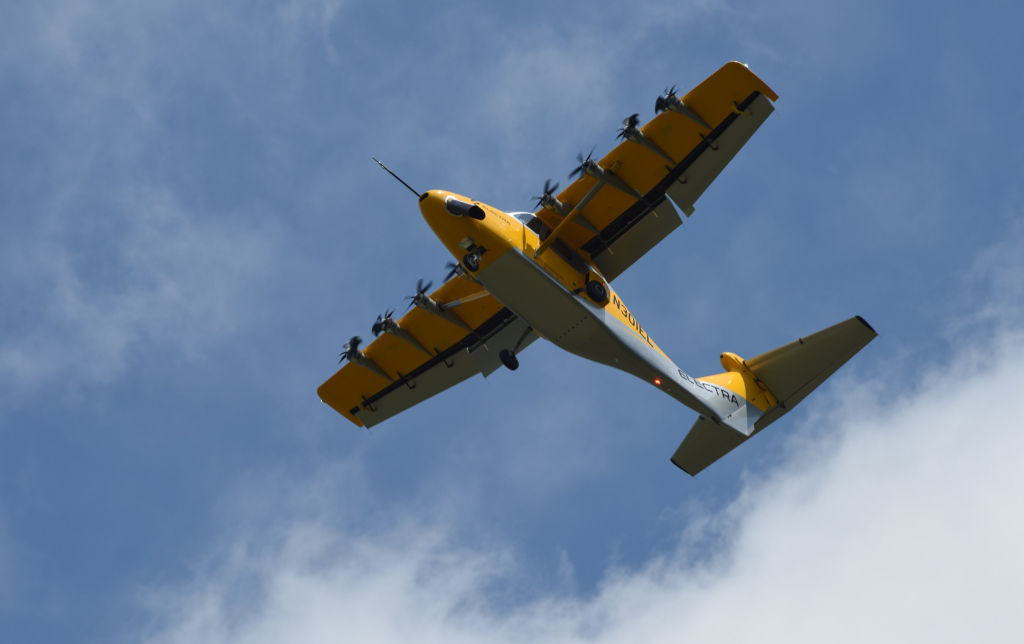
996 283
894 517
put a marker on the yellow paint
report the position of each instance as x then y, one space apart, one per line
559 229
739 379
618 309
497 232
346 388
714 99
557 267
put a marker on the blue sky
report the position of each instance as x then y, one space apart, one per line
193 227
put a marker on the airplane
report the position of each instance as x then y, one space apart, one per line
520 276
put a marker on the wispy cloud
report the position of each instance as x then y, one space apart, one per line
122 241
163 276
538 85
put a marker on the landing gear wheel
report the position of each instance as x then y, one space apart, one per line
471 262
509 359
597 292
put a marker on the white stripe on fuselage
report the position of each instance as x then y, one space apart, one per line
579 326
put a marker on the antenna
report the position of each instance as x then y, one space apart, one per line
396 176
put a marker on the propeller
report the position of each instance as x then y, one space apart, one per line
662 102
350 350
548 191
381 324
421 291
453 270
583 163
630 123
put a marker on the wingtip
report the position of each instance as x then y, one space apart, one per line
865 323
673 461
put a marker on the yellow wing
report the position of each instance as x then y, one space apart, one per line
678 154
429 354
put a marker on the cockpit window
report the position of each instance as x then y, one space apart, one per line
559 247
531 222
463 209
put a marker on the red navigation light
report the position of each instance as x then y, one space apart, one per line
657 382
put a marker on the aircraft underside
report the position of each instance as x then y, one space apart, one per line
547 273
580 326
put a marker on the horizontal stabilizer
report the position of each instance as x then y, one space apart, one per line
790 372
706 443
794 370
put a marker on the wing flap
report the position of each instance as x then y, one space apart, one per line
444 371
431 341
635 242
705 168
732 99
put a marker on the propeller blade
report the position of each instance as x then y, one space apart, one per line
579 157
350 349
629 124
549 189
453 270
662 102
381 324
421 291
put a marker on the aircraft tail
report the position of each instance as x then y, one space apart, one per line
771 384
